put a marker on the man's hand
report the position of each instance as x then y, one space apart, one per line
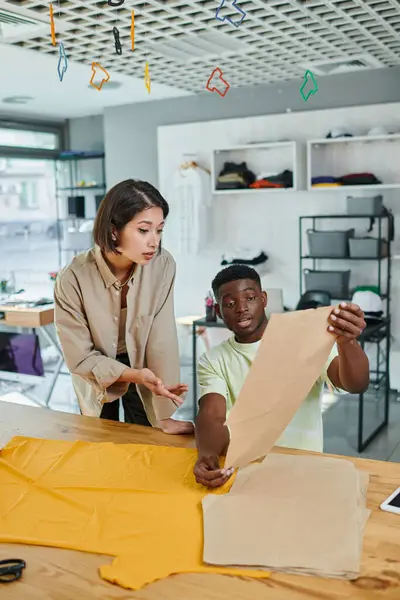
346 322
156 386
208 472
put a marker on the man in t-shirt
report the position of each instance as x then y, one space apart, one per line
222 371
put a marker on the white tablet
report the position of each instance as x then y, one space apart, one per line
392 504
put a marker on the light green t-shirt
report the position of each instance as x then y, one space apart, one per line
223 369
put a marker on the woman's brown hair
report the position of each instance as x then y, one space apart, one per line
119 206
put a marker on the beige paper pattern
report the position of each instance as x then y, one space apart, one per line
291 356
292 513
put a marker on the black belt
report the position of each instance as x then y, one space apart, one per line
124 359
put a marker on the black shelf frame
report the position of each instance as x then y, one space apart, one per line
73 159
379 333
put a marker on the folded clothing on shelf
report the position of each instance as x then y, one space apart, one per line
359 179
281 180
326 185
234 176
348 179
338 132
245 257
325 181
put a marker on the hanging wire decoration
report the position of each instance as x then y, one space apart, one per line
147 79
118 47
238 11
62 61
52 26
62 64
308 76
133 30
216 83
98 69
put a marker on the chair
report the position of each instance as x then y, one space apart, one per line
314 299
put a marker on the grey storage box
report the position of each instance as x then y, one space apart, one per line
364 206
331 244
337 283
368 247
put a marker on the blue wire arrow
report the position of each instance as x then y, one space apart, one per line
62 61
239 10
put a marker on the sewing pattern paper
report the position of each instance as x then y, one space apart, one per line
291 513
137 502
291 356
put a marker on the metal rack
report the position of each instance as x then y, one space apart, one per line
379 334
66 182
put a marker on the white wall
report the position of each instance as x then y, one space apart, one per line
267 220
86 133
130 130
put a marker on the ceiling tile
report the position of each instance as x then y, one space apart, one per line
184 41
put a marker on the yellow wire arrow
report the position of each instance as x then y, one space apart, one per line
52 26
147 80
133 30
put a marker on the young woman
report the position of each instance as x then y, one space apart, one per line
114 313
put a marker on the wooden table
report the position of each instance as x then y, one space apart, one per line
25 316
69 575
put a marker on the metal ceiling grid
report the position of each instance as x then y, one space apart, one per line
183 41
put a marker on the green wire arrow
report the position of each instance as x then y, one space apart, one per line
313 91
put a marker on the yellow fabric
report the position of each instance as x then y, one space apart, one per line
326 184
131 571
138 502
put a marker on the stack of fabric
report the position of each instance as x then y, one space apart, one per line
291 513
325 181
235 176
349 179
294 514
359 179
278 180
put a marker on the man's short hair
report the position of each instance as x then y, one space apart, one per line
234 273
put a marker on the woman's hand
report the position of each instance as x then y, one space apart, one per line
178 390
176 427
155 385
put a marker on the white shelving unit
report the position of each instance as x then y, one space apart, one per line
266 157
336 157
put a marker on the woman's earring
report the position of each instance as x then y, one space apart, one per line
114 239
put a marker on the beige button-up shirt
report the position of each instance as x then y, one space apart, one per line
87 311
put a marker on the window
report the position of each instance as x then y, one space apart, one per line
28 224
29 231
25 138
